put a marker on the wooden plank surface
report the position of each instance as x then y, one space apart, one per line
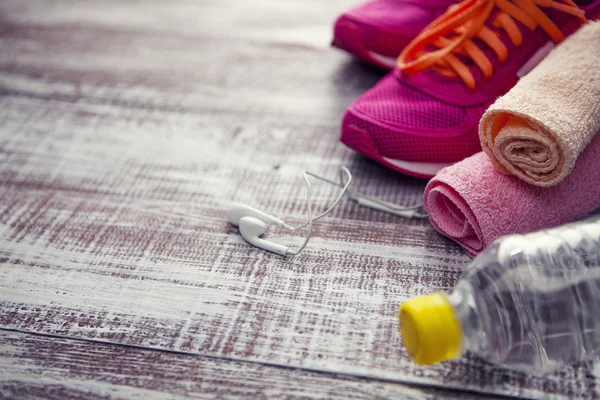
36 366
126 128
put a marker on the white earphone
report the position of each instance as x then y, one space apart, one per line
253 223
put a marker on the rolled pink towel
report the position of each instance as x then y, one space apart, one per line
538 129
473 204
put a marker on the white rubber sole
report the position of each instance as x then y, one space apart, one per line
389 62
421 168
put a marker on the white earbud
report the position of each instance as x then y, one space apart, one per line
253 223
252 229
239 211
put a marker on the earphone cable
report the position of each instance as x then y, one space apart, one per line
345 188
254 226
359 198
310 218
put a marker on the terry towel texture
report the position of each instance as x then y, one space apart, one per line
538 129
473 204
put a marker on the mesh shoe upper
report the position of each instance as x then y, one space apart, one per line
384 27
407 124
399 17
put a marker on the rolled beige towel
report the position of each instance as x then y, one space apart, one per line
538 129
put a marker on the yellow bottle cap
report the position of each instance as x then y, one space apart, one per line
430 330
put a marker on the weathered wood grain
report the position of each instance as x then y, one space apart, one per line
33 366
127 129
189 57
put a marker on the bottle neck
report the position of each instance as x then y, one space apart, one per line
466 310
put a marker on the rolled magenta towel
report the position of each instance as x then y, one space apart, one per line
473 204
538 129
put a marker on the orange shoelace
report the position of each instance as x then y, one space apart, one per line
452 35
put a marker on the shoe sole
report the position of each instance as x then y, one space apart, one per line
360 141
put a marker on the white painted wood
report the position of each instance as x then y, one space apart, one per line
34 366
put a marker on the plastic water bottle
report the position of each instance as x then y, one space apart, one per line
528 302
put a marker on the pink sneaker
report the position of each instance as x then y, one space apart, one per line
423 116
377 31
